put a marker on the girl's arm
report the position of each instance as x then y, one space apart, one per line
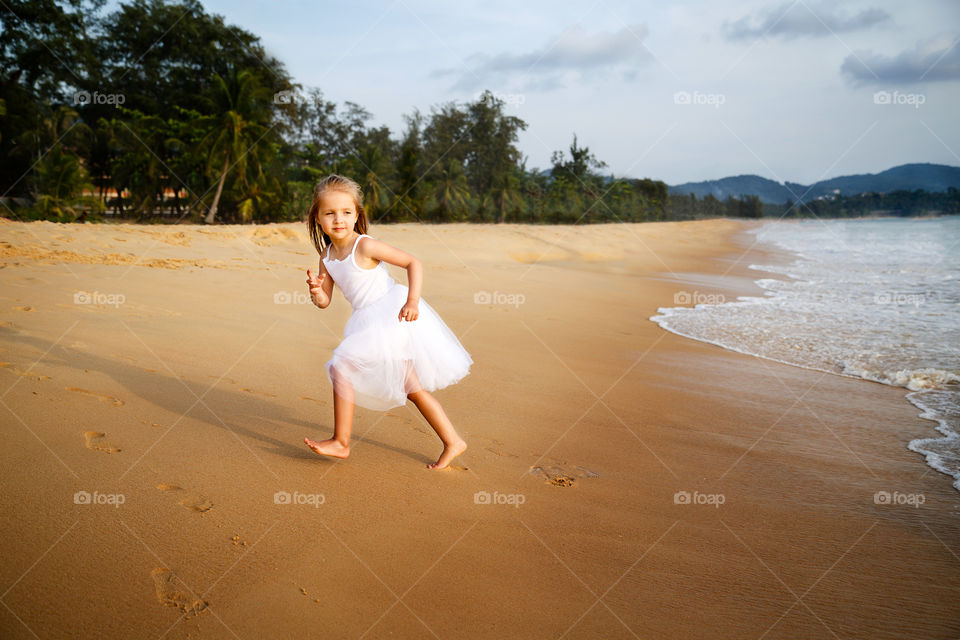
321 287
371 248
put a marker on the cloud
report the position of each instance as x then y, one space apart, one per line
935 59
589 56
797 19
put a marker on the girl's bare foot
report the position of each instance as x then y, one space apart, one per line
331 447
450 452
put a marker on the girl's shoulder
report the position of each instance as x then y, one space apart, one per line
362 257
360 241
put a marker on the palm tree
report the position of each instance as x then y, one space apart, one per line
60 178
103 153
373 169
450 190
263 193
242 109
564 201
142 166
506 194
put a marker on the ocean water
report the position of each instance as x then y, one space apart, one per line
877 299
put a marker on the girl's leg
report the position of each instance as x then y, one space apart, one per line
453 444
339 445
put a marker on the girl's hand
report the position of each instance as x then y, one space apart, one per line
409 312
317 296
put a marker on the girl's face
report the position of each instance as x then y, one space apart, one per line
337 213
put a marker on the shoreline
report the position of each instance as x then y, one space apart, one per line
587 422
784 257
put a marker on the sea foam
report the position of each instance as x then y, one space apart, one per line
873 299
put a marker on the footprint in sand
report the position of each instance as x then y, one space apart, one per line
259 393
190 500
248 389
419 429
147 369
173 593
12 368
95 442
117 402
496 448
563 476
177 238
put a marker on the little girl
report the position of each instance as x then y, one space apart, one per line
395 345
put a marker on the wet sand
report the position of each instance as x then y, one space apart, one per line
621 481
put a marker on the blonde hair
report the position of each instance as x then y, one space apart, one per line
334 182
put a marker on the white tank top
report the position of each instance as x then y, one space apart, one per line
360 286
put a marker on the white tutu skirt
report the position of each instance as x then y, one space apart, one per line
382 359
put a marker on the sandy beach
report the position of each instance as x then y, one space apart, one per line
620 482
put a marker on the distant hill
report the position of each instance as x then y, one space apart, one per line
767 190
926 176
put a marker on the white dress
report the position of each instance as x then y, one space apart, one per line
382 358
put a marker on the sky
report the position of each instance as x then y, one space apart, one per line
795 90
